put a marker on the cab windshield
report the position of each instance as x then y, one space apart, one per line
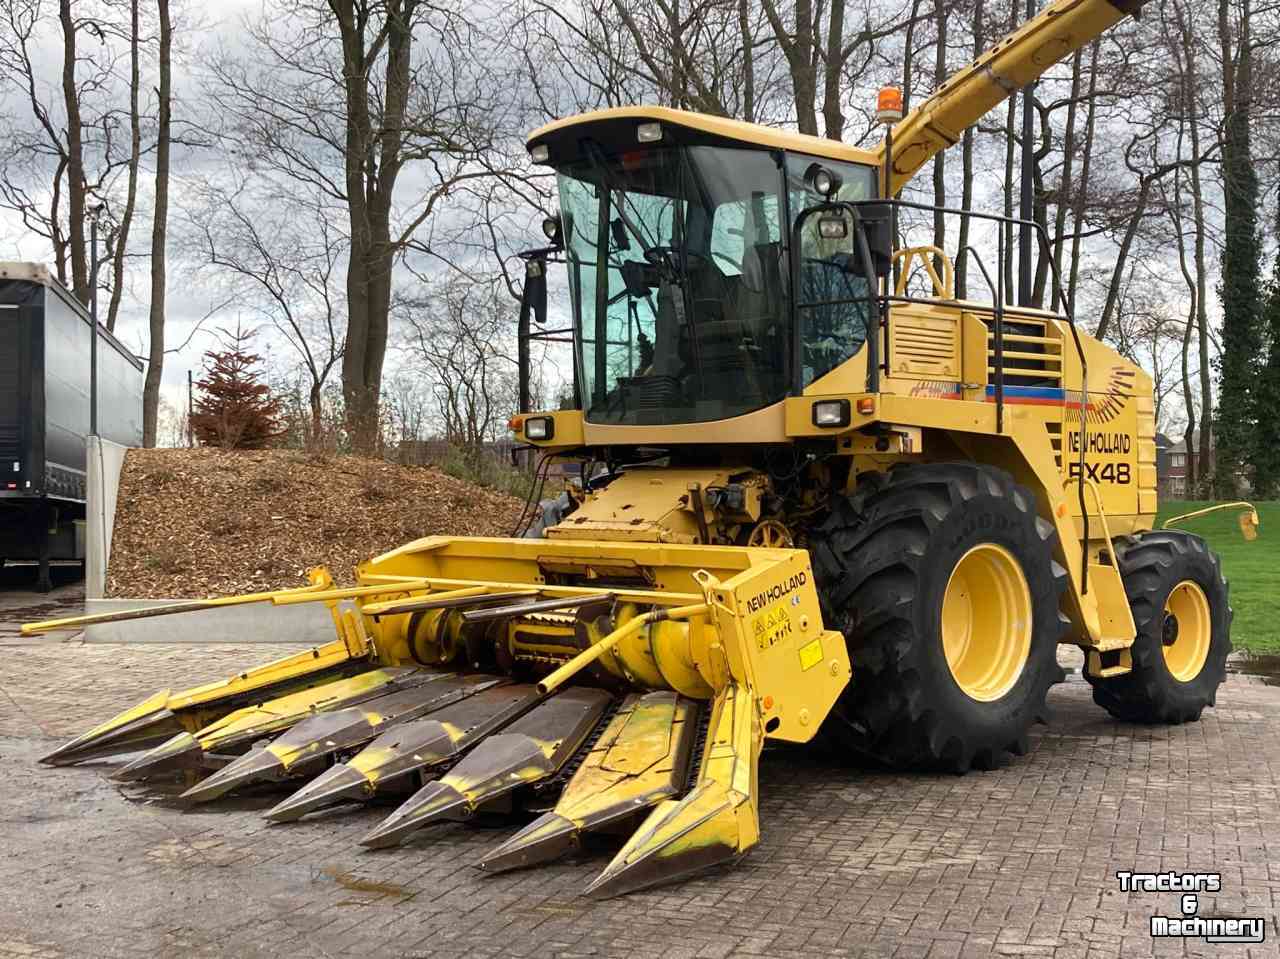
678 277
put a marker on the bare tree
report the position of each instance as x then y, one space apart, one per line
280 257
337 97
120 239
61 158
462 333
159 232
966 166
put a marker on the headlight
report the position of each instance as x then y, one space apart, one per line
649 132
551 228
832 228
825 182
539 428
831 413
540 154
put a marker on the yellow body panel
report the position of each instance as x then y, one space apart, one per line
724 127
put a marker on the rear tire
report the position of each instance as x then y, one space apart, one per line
1179 601
890 558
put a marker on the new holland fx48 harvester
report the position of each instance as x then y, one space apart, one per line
811 500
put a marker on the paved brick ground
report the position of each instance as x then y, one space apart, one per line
1019 861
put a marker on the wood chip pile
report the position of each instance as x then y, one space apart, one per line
206 522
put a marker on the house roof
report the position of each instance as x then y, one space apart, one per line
1181 445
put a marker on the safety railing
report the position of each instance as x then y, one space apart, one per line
878 316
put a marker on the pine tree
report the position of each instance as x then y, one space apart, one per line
234 409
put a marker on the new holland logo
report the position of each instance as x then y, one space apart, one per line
776 592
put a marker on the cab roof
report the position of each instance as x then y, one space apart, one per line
561 136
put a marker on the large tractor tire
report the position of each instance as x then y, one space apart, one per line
1180 607
943 581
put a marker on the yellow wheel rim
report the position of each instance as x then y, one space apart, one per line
1186 631
986 622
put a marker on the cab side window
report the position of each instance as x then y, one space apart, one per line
832 323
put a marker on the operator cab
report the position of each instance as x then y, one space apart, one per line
676 236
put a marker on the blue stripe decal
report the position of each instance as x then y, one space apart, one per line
1032 392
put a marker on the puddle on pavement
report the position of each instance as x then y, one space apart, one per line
1266 667
348 881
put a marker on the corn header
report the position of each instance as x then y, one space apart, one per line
456 692
810 498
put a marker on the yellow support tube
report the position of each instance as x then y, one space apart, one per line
374 609
303 594
595 651
1249 521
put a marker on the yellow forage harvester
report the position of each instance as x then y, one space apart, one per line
810 495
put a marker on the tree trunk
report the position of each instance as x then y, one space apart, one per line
314 399
159 233
1188 398
1064 184
677 91
372 164
831 72
76 217
135 152
1204 465
1082 192
1010 146
1199 463
966 174
908 56
1122 257
1010 241
803 76
940 160
748 62
1040 205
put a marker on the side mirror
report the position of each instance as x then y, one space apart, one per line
877 224
533 297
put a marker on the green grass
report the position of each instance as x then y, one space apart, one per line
1252 569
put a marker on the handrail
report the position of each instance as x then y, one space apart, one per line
944 286
1102 513
999 335
1059 297
874 319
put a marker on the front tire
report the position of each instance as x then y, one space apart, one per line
1180 606
942 579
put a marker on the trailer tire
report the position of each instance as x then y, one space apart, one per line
899 564
1181 609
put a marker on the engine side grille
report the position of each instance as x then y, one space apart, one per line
924 348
